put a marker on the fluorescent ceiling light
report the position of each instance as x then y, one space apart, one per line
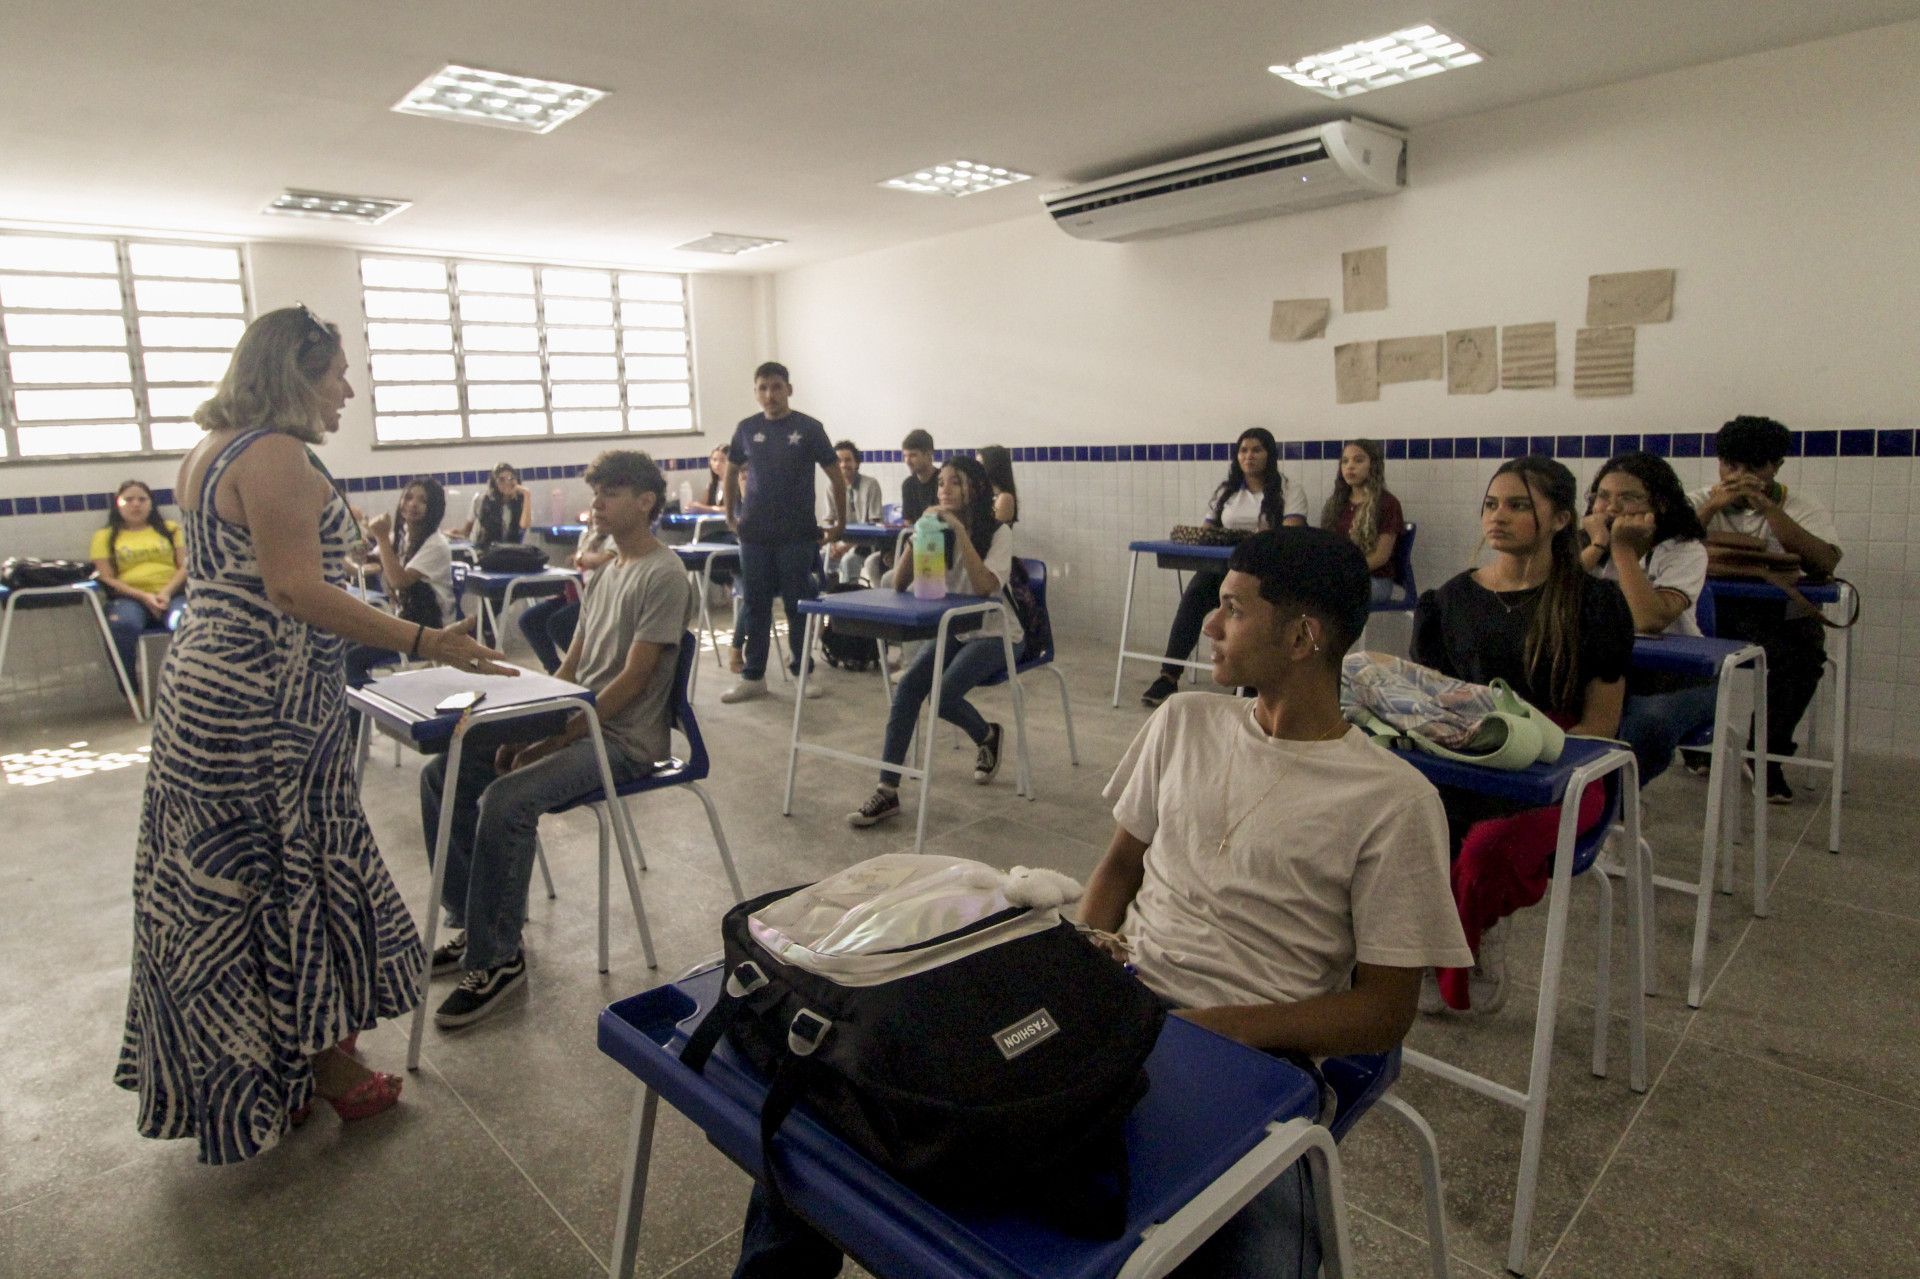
956 178
366 209
495 98
1412 54
721 242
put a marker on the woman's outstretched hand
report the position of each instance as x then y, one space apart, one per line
455 646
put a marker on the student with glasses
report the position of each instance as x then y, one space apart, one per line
1642 534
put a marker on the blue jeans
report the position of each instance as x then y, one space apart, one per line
548 627
128 620
1273 1237
490 849
1653 725
1382 588
967 665
768 569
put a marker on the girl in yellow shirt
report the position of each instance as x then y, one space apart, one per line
141 560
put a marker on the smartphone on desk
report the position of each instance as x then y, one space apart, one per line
455 702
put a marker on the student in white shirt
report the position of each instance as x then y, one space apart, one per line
1751 507
1273 874
1254 496
966 506
416 570
1641 532
865 505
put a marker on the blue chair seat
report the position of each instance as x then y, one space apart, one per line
1402 576
1037 576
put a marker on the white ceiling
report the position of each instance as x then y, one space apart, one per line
760 117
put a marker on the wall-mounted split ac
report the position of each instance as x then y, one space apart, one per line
1311 169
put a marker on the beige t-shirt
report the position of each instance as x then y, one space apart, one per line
645 599
1343 857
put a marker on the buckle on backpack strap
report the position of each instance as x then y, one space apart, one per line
754 979
799 1042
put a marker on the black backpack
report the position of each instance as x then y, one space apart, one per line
854 652
512 557
22 572
1004 1075
1038 627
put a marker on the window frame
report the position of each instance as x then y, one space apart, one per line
451 265
134 347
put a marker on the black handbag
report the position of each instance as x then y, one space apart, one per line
24 572
512 557
999 1069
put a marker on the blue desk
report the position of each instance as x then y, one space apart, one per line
1826 595
1719 660
698 557
674 529
1561 784
403 707
1219 1122
1182 559
892 616
879 537
560 532
88 593
497 592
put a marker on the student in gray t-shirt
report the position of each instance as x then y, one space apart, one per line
633 611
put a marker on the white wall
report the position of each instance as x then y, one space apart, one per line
1781 186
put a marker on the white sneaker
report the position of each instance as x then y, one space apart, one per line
1487 983
1431 1001
745 691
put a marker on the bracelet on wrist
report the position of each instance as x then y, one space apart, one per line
420 629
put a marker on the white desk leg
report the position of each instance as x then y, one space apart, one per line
1019 710
113 653
633 1188
1713 839
605 870
799 700
1842 694
926 738
1126 620
623 835
6 628
443 835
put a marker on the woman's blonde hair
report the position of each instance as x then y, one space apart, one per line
270 382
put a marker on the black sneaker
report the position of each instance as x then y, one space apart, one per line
880 805
1159 691
1779 789
480 993
987 761
447 956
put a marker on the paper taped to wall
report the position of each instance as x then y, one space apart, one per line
1356 372
1299 319
1473 361
1528 356
1603 361
1363 279
1421 359
1630 297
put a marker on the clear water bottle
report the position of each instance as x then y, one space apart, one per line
556 507
686 496
930 557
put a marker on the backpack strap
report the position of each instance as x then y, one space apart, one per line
740 983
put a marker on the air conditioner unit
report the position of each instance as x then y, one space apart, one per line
1311 169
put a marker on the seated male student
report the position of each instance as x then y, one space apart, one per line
865 505
918 491
1750 507
633 610
1274 875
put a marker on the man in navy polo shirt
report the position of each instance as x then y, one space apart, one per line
779 540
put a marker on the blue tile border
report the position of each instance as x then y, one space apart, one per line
1862 442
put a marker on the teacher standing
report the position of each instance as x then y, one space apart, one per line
267 933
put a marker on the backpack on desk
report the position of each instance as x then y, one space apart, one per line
512 557
24 572
940 1017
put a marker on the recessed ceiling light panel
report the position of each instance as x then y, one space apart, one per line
955 178
364 209
496 98
1412 54
721 242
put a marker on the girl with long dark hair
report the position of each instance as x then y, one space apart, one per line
1254 496
502 511
416 569
998 464
142 561
966 507
714 503
1642 533
1360 508
1534 617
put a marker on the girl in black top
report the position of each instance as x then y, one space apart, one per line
998 464
714 503
1533 617
502 512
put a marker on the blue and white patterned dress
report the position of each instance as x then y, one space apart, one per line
265 927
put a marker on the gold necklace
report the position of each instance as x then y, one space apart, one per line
1226 797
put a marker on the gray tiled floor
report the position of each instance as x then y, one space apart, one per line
1781 1134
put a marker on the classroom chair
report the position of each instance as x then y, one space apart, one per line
1043 660
14 598
1403 575
688 772
1359 1082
